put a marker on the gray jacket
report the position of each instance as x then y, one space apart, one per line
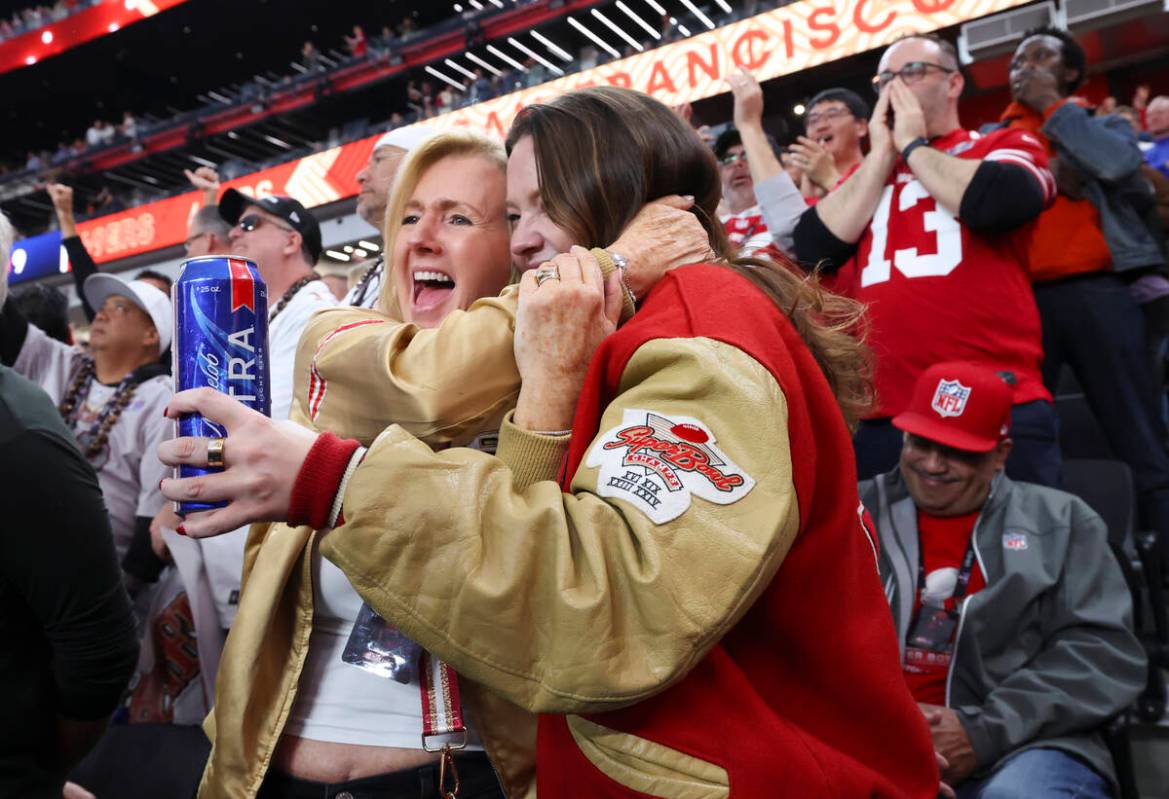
1045 653
1105 152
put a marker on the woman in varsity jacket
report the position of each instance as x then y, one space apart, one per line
665 560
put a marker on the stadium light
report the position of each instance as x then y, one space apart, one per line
552 47
475 4
476 59
459 68
277 142
534 55
496 3
723 5
597 40
446 78
505 58
368 245
799 109
47 37
613 27
657 7
458 8
705 20
337 256
645 25
674 21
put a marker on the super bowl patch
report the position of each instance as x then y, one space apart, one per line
655 463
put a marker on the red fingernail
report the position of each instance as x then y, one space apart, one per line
164 413
181 530
160 485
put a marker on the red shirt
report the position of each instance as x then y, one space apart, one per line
943 543
747 229
937 291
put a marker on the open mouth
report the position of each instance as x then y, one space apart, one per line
825 139
431 288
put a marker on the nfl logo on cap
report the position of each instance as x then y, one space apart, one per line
950 398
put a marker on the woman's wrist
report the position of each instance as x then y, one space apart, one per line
546 410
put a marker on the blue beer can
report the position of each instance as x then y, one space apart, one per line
221 342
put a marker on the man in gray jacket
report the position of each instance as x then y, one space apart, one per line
1014 619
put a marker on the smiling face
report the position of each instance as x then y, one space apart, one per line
535 238
452 247
738 187
944 481
831 124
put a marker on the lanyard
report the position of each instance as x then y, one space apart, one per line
963 573
442 714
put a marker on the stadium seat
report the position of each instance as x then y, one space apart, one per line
1106 485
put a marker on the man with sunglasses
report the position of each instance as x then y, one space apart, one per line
1015 649
283 239
928 233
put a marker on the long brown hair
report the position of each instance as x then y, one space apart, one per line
603 153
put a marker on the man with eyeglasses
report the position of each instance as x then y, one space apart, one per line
1091 252
112 398
836 124
928 233
763 202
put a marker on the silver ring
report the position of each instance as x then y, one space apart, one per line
215 453
546 273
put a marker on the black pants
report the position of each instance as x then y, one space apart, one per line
1093 324
477 780
1034 429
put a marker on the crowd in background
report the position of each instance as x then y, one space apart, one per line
989 265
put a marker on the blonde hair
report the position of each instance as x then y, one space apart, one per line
453 144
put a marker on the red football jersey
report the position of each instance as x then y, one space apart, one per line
938 291
747 229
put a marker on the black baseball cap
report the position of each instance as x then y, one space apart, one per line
233 204
731 136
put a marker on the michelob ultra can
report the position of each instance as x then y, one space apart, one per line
221 342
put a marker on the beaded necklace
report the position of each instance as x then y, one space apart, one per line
288 295
363 284
93 440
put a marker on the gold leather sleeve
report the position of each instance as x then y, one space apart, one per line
441 384
578 602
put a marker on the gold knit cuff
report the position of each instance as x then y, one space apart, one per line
532 457
628 308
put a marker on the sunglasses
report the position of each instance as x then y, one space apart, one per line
252 221
731 158
912 72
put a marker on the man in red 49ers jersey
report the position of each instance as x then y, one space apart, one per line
929 232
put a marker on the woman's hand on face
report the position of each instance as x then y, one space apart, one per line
559 325
664 235
262 458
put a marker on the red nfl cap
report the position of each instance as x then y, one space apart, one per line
960 405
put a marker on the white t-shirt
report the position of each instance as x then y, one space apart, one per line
283 336
128 468
368 296
342 703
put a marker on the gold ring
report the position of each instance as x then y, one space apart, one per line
215 453
546 273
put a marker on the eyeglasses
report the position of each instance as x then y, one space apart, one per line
252 221
731 158
811 120
912 72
